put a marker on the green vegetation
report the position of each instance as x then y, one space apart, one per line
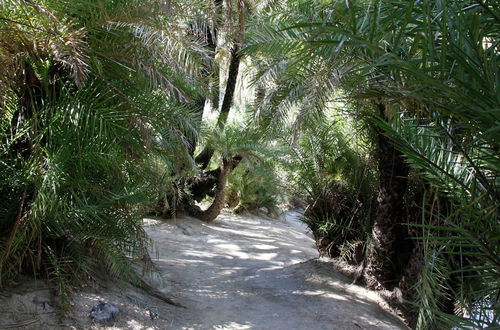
424 76
329 166
89 120
382 116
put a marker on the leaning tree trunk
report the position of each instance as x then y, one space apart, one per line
389 246
209 215
216 180
203 185
203 159
214 210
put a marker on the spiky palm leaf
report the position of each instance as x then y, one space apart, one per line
90 108
435 64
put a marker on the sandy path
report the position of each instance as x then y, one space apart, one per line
254 273
242 272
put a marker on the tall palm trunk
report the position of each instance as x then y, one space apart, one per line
203 159
389 238
203 185
205 156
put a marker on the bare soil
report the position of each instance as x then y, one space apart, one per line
241 272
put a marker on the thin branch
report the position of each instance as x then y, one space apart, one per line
28 25
481 177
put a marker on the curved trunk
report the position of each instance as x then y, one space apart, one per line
203 159
214 210
210 214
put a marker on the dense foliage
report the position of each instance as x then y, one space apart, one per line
90 120
424 74
330 165
382 116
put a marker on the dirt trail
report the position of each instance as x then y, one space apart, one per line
242 272
246 272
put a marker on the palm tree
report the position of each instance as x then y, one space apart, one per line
318 58
93 112
215 180
418 64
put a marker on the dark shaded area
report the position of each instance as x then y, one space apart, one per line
390 247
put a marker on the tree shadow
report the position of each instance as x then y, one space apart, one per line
246 273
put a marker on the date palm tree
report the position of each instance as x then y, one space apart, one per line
227 37
94 110
425 75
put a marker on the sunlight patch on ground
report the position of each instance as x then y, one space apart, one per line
135 325
151 222
228 246
233 325
239 232
264 247
320 293
265 256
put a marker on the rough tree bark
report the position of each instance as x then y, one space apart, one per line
203 159
389 245
209 215
214 182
